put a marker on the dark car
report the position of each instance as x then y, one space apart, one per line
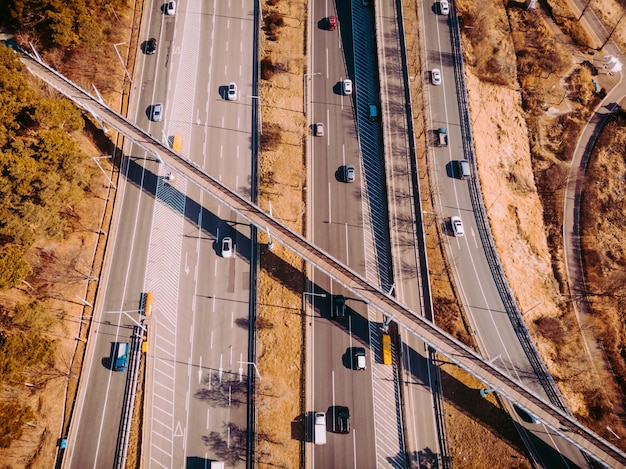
342 419
338 310
151 46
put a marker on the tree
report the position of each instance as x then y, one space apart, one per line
14 417
34 316
13 268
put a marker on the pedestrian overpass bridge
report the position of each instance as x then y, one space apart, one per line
461 355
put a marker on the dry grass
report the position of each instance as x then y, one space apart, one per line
282 177
536 131
602 223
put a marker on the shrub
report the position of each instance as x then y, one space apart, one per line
13 268
14 417
33 316
267 68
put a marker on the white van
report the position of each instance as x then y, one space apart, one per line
319 435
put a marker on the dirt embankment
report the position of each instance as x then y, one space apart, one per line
529 102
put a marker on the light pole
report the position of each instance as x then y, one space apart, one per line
494 200
304 81
122 60
533 306
305 293
96 158
250 363
258 98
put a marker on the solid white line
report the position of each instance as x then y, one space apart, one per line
347 245
328 126
330 212
211 340
327 63
232 319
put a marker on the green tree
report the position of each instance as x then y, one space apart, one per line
13 268
58 113
14 417
22 350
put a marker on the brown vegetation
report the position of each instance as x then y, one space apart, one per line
557 98
280 321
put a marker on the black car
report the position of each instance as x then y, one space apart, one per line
151 45
338 311
342 419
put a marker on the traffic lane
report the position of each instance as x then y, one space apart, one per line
96 437
337 384
421 426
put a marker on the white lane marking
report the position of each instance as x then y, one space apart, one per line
221 368
200 371
333 385
208 419
230 359
354 447
232 319
211 341
327 63
330 216
328 126
347 245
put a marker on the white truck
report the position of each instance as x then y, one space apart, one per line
319 435
443 136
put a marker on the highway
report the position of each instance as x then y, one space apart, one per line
433 336
197 336
338 223
361 287
497 339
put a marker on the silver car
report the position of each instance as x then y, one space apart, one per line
157 112
232 91
349 173
444 7
435 76
457 226
227 247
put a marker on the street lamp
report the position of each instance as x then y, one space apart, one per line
250 363
304 293
494 200
304 84
122 60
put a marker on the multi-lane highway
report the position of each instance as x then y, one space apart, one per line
167 241
147 182
337 224
497 338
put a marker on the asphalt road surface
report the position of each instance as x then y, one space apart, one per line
198 333
480 297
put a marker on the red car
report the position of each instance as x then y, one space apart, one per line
332 23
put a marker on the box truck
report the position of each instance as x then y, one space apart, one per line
119 356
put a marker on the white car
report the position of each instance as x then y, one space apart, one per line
444 7
170 8
435 76
318 129
232 91
157 112
347 86
227 247
457 226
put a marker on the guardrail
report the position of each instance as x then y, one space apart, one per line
132 379
426 295
484 229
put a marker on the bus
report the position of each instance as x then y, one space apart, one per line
147 306
176 143
386 349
